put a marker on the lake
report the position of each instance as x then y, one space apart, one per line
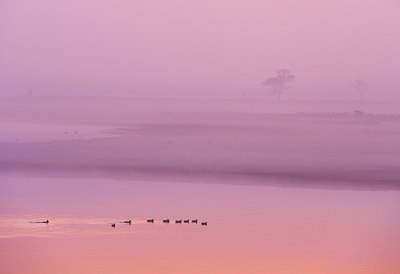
251 229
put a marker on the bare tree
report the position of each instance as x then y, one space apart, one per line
279 83
360 86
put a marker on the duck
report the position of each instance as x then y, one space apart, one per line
127 222
150 220
41 222
166 221
186 221
194 221
178 221
204 223
113 225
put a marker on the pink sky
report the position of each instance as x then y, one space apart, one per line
205 48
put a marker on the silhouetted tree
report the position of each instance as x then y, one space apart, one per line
360 86
279 83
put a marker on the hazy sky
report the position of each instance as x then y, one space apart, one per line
207 48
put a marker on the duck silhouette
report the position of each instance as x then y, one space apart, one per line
178 221
41 222
150 220
204 223
127 222
194 221
166 221
113 225
186 221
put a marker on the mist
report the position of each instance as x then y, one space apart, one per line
199 49
213 136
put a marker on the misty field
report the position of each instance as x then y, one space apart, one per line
80 138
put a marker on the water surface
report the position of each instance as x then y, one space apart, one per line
251 229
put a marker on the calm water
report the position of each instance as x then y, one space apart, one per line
251 229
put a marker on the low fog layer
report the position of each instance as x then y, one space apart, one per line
354 149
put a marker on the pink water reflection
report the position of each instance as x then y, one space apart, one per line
251 229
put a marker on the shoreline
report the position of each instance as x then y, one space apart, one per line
378 180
